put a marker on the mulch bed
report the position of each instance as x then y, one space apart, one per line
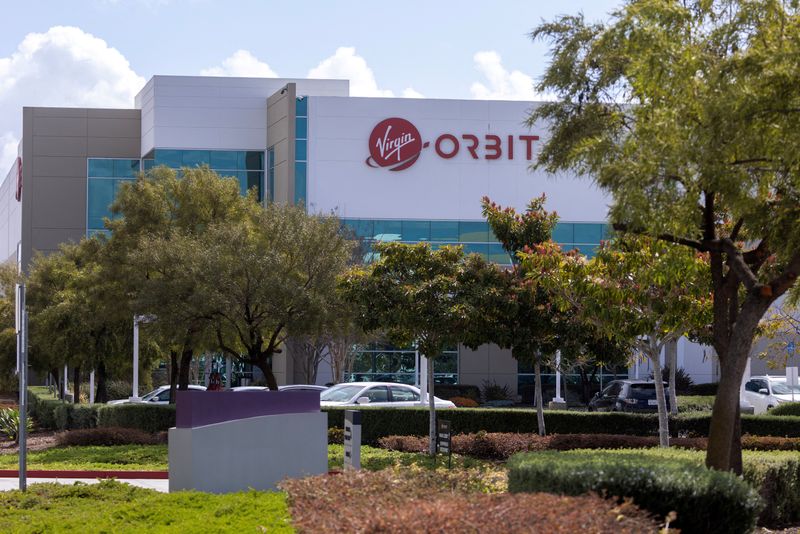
414 501
37 441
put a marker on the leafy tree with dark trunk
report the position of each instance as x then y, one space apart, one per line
687 113
414 295
530 327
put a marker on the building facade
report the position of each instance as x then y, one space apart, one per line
405 170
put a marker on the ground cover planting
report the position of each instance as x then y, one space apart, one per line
111 506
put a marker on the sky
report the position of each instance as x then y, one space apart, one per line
99 53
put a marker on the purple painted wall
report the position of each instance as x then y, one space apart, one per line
200 408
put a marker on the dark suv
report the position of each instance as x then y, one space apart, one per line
627 396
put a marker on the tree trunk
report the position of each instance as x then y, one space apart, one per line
723 452
76 384
663 418
173 375
56 382
102 383
183 373
266 369
672 361
432 411
537 394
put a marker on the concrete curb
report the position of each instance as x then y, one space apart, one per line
122 475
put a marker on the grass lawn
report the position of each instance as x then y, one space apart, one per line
116 458
154 457
112 506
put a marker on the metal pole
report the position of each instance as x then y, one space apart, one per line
135 395
423 380
22 369
91 387
64 382
229 372
558 398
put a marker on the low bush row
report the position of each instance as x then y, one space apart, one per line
53 414
381 422
448 391
109 437
695 403
501 446
786 408
705 500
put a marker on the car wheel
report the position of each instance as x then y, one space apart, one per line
770 407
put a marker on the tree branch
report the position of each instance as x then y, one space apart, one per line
737 264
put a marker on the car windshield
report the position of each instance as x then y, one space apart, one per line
781 388
644 391
340 393
151 394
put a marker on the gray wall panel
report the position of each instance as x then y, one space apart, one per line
63 126
49 166
60 203
44 145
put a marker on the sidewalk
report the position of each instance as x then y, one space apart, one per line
7 484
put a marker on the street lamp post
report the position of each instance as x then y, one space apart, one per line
136 320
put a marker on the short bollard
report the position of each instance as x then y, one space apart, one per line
352 439
443 436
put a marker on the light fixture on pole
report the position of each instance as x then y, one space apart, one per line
137 319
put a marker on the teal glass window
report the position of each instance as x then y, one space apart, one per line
101 167
300 150
126 168
254 161
170 158
195 158
224 159
362 228
148 164
444 230
563 233
254 181
416 231
473 231
100 198
498 255
301 128
301 107
387 230
477 248
588 233
299 183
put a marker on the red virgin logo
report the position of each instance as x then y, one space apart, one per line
395 144
18 193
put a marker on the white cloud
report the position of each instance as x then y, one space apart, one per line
410 92
502 84
63 66
345 64
241 63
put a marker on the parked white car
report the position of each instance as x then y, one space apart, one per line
159 395
376 394
766 392
289 387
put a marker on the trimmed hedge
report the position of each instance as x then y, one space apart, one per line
147 417
704 389
705 500
380 422
786 408
448 391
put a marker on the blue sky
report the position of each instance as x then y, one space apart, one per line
99 52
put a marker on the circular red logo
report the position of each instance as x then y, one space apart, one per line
18 193
394 144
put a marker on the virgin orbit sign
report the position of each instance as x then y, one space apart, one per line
396 144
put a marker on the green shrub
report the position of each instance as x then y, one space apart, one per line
42 407
53 414
786 408
776 476
108 437
695 403
492 391
144 416
9 423
118 389
704 389
705 501
336 435
448 391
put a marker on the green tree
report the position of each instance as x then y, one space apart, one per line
262 279
526 323
688 114
412 294
637 289
157 219
8 334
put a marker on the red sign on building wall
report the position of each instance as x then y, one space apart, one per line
18 194
396 144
